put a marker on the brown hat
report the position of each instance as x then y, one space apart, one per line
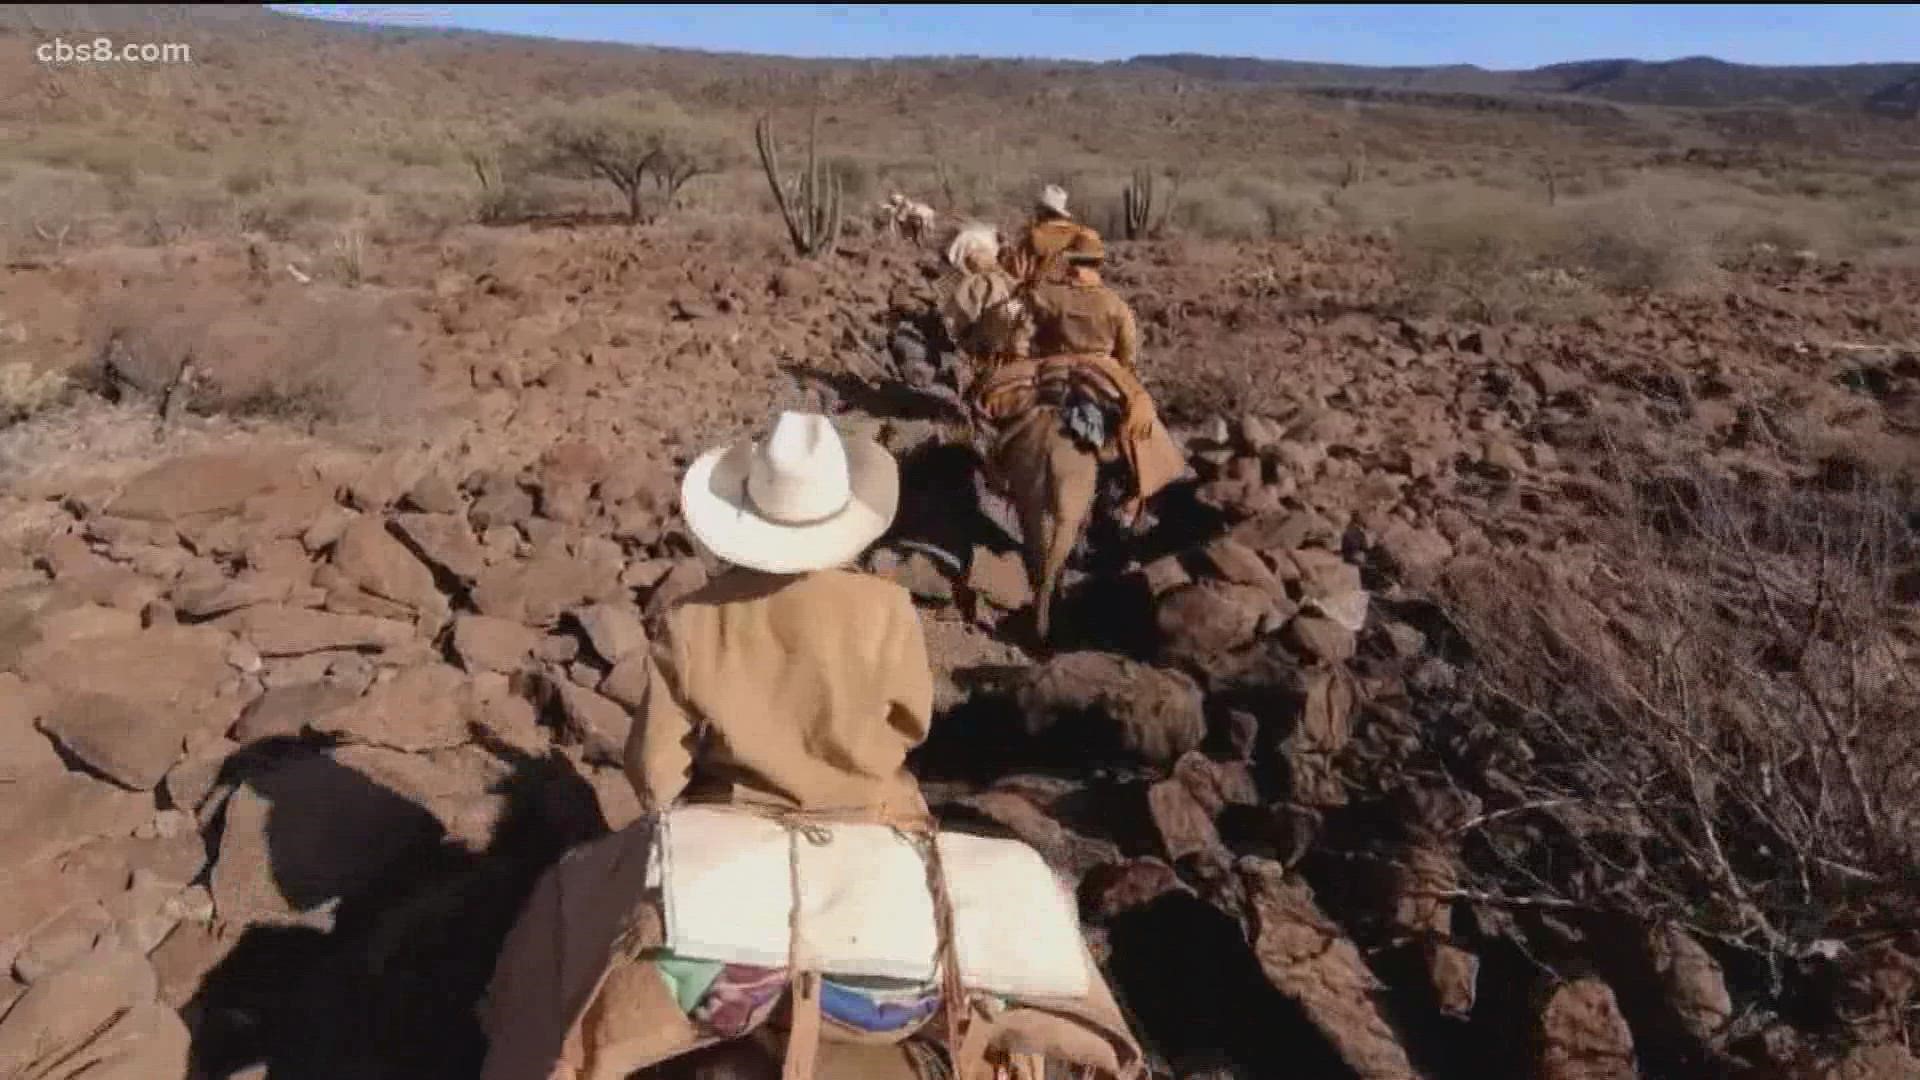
1086 247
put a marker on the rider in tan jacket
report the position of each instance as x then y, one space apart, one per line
1079 313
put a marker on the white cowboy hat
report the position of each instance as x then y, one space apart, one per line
804 499
1054 198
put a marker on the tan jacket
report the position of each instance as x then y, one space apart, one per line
1082 315
804 692
1037 256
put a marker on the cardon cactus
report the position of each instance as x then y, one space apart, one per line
810 203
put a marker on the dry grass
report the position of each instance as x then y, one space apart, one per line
312 354
25 391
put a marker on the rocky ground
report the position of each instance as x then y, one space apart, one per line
290 724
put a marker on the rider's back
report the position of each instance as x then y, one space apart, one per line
808 691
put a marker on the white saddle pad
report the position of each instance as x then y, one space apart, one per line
727 881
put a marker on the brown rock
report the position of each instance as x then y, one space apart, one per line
288 710
60 1023
126 705
1306 956
1322 731
182 962
926 579
999 578
1503 456
193 778
87 621
557 649
202 484
458 787
1216 785
369 557
1059 846
507 716
1145 712
1330 586
205 599
1319 639
1584 1036
537 592
1118 888
1695 985
1415 554
1182 825
422 708
1163 575
277 630
165 848
505 506
385 480
614 630
446 542
1202 620
575 462
24 749
68 937
1229 560
1286 530
435 494
687 577
593 722
613 793
487 644
627 682
646 573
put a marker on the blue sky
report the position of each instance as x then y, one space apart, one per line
1492 36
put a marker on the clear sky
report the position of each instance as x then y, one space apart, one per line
1492 36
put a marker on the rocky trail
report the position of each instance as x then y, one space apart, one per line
288 728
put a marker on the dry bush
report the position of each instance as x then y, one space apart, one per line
299 353
25 391
1632 245
1497 258
303 211
644 145
1719 729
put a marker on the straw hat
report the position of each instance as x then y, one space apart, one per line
803 499
1054 197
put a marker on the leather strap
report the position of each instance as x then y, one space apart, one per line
803 1028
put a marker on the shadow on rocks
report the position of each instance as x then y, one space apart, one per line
391 988
886 401
1196 994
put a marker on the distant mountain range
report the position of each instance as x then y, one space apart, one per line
1699 82
1694 82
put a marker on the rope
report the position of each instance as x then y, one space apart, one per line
922 834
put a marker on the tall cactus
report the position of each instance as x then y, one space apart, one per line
1141 199
1137 203
810 204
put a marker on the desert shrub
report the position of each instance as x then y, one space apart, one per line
308 353
248 178
857 182
1724 738
1470 262
25 391
1632 245
643 145
284 212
